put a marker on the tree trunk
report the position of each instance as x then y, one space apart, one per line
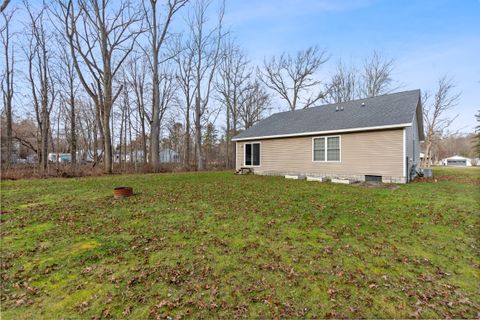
141 117
234 144
187 138
227 139
8 91
73 133
121 138
426 158
155 125
44 141
125 142
8 114
107 109
130 137
99 120
198 135
154 143
107 145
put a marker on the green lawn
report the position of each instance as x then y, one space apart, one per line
214 244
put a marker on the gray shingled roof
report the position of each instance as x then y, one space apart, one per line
385 110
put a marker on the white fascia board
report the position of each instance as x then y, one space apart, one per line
401 125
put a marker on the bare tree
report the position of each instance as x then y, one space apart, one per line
25 133
137 73
254 102
294 78
101 37
343 86
88 125
233 76
435 117
41 80
3 5
184 57
157 34
68 81
376 76
206 44
6 82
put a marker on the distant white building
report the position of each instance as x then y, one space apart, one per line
60 157
166 156
135 156
457 161
169 156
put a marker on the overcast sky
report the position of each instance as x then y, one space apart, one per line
427 38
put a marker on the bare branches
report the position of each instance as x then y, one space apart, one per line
294 78
444 100
376 77
40 77
3 5
157 34
101 37
205 44
435 113
233 77
344 85
254 103
6 81
372 79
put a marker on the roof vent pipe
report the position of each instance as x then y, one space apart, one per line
336 109
341 108
363 104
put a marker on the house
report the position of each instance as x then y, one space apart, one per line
60 157
134 156
368 139
457 161
169 156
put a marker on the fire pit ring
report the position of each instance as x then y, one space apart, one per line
122 192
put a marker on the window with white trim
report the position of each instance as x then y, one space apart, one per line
252 154
326 149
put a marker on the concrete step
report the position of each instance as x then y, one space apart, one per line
342 181
292 177
318 179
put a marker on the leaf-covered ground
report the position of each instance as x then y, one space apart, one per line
217 245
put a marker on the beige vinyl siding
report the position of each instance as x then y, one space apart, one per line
362 153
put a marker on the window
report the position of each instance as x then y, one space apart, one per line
319 149
333 149
252 154
326 149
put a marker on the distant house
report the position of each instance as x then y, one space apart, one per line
457 161
135 156
60 157
166 156
169 156
368 139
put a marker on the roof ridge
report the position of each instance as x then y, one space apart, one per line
347 102
366 98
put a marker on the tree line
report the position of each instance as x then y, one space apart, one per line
120 80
